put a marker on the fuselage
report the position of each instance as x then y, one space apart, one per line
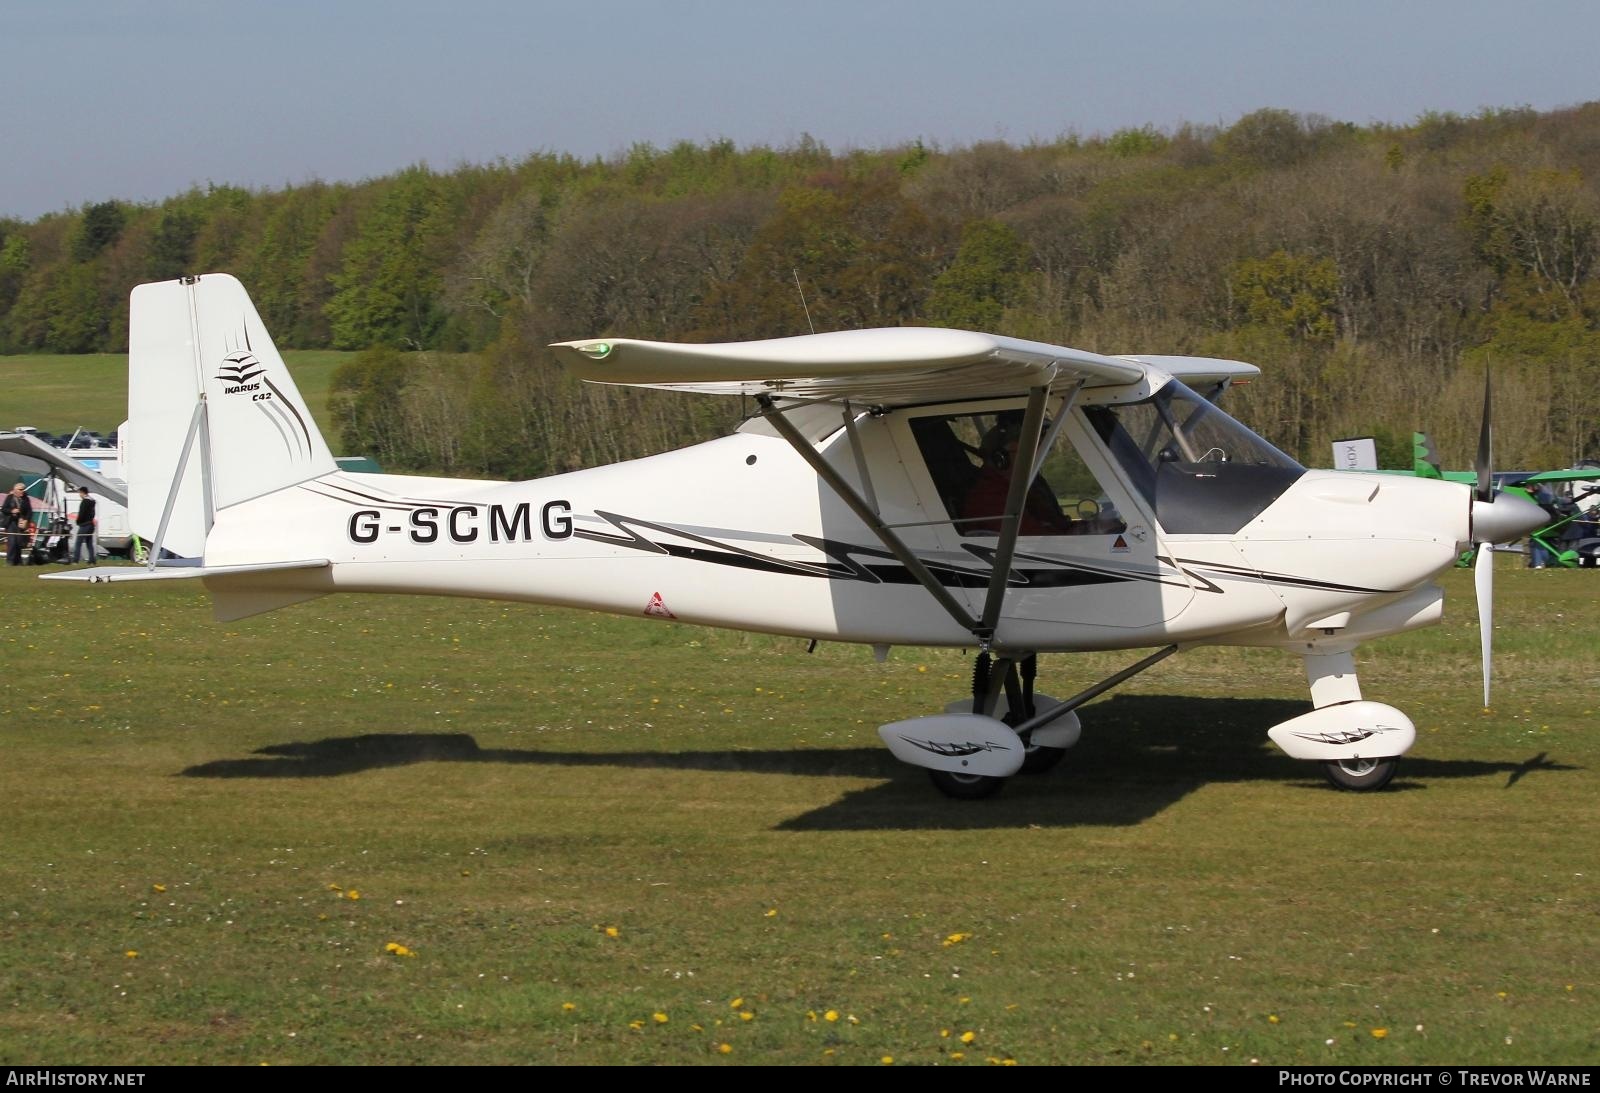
740 532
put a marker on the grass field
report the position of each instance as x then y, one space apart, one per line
61 393
375 830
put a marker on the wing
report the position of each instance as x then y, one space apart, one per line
1200 371
892 366
1581 474
37 457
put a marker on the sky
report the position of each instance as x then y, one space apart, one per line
143 99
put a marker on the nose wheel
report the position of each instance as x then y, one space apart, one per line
1360 775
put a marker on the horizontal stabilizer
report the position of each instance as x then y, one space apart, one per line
177 572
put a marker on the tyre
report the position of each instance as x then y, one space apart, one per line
1039 759
1360 774
965 787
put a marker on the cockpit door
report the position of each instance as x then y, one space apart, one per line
1088 556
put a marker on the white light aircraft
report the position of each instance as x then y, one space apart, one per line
900 486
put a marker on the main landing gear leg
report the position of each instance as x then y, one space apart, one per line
1010 678
1047 733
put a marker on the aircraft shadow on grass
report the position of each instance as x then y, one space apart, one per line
1139 754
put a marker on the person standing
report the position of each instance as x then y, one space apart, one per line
16 515
87 526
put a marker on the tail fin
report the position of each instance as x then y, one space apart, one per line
1424 460
213 415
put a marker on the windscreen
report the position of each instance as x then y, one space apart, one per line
1198 468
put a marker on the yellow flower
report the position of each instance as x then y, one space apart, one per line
352 894
1379 1033
958 1055
944 1034
772 913
159 887
725 1049
887 1060
568 1007
1272 1018
659 1018
968 1036
636 1024
612 931
132 954
746 1015
736 1003
831 1015
398 949
955 939
334 888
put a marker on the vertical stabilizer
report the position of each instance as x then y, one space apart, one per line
1424 460
213 415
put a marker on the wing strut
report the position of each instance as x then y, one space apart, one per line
861 456
197 428
1088 694
864 512
1011 523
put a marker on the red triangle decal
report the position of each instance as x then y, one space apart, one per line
657 608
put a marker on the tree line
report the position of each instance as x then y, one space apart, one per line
1374 273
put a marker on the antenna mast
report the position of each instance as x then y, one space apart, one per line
803 306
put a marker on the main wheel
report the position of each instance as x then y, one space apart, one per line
1039 759
966 787
1360 774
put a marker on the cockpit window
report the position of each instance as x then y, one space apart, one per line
1200 470
970 457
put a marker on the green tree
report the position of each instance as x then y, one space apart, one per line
170 248
1539 231
1292 295
15 260
984 280
99 228
864 253
366 399
77 318
387 291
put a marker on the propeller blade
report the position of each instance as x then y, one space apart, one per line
1483 586
1485 461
